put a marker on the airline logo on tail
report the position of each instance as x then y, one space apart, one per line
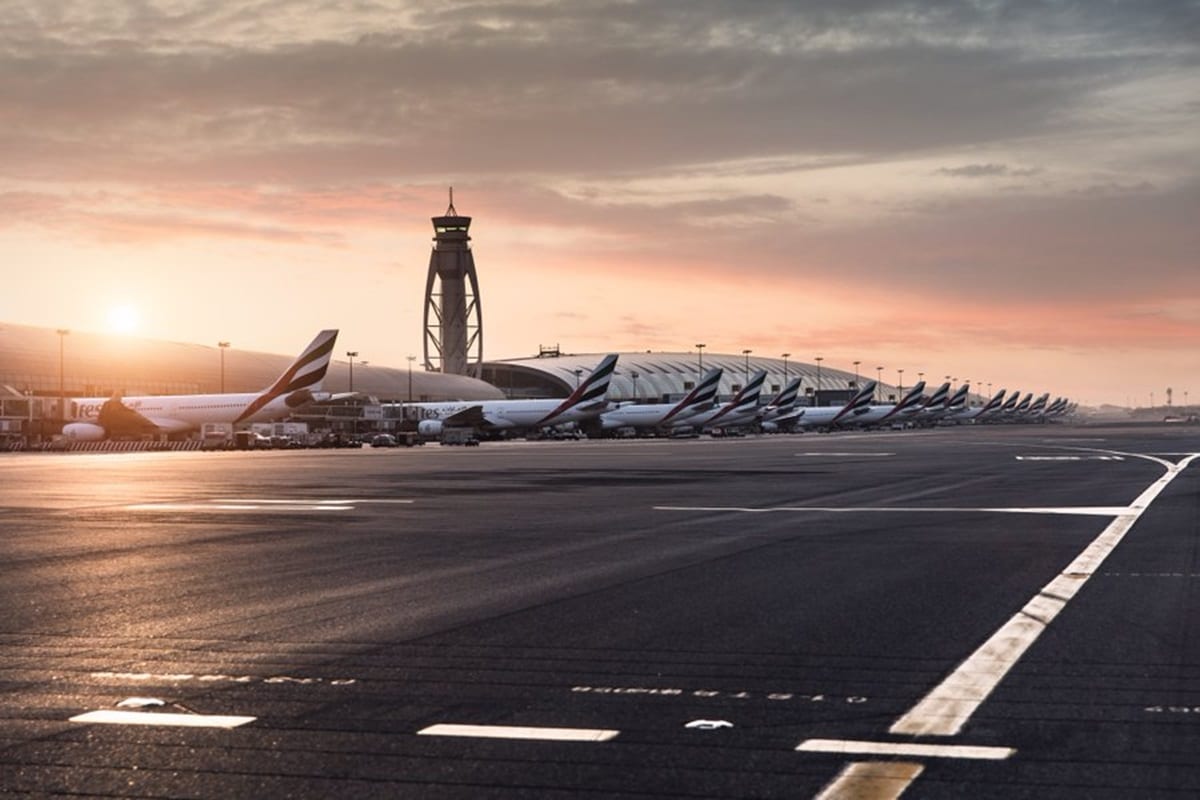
787 398
910 402
704 394
744 401
938 401
859 403
592 390
959 401
304 375
993 404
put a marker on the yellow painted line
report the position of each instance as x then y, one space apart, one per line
511 732
154 718
872 780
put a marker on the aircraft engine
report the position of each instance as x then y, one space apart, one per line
430 427
84 432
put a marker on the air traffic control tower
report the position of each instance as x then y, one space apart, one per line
453 321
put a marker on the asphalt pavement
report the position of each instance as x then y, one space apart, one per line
984 612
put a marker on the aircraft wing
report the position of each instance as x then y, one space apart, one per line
119 419
469 417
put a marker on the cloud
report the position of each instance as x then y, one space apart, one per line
986 171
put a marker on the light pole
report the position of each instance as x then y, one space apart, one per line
411 359
747 353
634 375
700 358
352 354
223 346
577 372
900 388
785 358
878 382
817 391
62 392
856 363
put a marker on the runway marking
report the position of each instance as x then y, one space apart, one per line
1069 458
153 718
904 749
848 455
709 694
510 732
177 677
872 780
1090 511
945 710
266 504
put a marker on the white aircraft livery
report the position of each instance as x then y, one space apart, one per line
665 415
588 400
98 418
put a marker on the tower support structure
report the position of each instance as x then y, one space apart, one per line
453 316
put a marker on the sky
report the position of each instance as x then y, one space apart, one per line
1005 191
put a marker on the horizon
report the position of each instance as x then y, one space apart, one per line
1007 193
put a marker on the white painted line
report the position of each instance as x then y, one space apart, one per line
904 749
872 780
174 720
945 710
321 501
1069 458
509 732
1094 511
848 455
233 507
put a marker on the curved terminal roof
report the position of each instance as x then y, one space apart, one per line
97 364
652 377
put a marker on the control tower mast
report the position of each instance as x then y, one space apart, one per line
453 319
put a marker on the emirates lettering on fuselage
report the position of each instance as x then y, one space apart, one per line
91 410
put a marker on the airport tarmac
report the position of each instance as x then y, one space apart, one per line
984 612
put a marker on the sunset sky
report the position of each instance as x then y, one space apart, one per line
1007 191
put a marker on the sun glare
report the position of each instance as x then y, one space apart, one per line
123 319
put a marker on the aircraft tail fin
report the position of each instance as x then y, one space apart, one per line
787 396
299 380
700 397
858 403
593 390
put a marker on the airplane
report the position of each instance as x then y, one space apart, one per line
589 399
743 408
968 414
99 418
1023 406
1011 403
877 415
664 415
830 416
782 412
1039 405
938 400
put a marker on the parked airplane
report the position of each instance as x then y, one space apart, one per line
1011 404
742 409
588 400
782 412
967 414
663 415
830 416
909 405
1023 406
97 418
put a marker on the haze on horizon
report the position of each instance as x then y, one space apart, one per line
1003 190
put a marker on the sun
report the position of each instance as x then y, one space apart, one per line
123 319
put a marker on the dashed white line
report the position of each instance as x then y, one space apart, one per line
872 780
516 732
847 455
153 718
857 747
